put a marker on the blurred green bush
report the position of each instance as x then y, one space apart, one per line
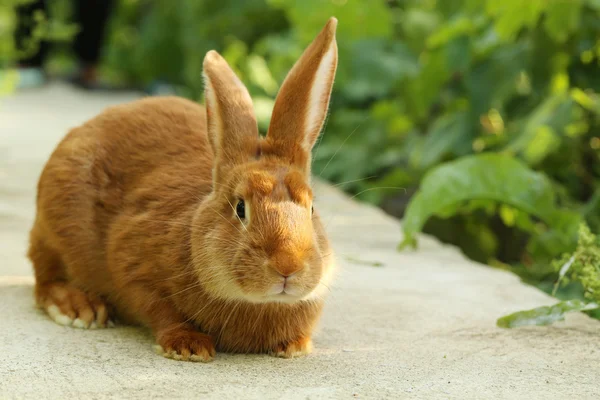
52 27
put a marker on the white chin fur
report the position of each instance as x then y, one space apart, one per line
324 284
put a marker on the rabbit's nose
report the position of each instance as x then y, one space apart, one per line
287 264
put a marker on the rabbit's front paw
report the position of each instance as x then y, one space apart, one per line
185 345
69 306
295 348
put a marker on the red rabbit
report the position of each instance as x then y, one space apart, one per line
185 220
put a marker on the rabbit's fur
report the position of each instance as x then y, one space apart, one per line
138 217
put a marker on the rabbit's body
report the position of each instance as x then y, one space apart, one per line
198 229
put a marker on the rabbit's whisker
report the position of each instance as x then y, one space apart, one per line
230 223
342 145
237 216
355 180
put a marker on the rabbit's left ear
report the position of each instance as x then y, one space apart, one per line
302 102
232 129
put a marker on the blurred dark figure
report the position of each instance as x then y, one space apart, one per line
91 16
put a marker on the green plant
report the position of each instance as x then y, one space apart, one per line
484 180
53 27
583 267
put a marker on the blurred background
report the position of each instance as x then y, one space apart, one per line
476 120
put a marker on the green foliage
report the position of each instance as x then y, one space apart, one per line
359 261
53 27
487 178
582 266
167 40
544 315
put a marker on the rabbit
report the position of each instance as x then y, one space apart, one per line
183 219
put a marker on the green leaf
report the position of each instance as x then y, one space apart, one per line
397 177
9 79
458 27
484 176
357 19
561 238
445 132
513 15
562 18
355 260
375 66
539 137
424 89
458 54
491 82
593 3
508 215
260 75
544 315
544 141
417 25
561 273
263 108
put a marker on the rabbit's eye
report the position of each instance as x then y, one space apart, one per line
312 210
240 209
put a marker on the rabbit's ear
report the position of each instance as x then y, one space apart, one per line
232 128
302 102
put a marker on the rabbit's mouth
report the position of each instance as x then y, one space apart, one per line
286 285
283 297
288 289
284 290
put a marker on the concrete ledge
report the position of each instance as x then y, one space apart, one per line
420 326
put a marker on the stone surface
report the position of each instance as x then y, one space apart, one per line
420 326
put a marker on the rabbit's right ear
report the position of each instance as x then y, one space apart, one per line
302 102
232 128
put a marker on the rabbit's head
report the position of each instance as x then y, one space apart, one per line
257 236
